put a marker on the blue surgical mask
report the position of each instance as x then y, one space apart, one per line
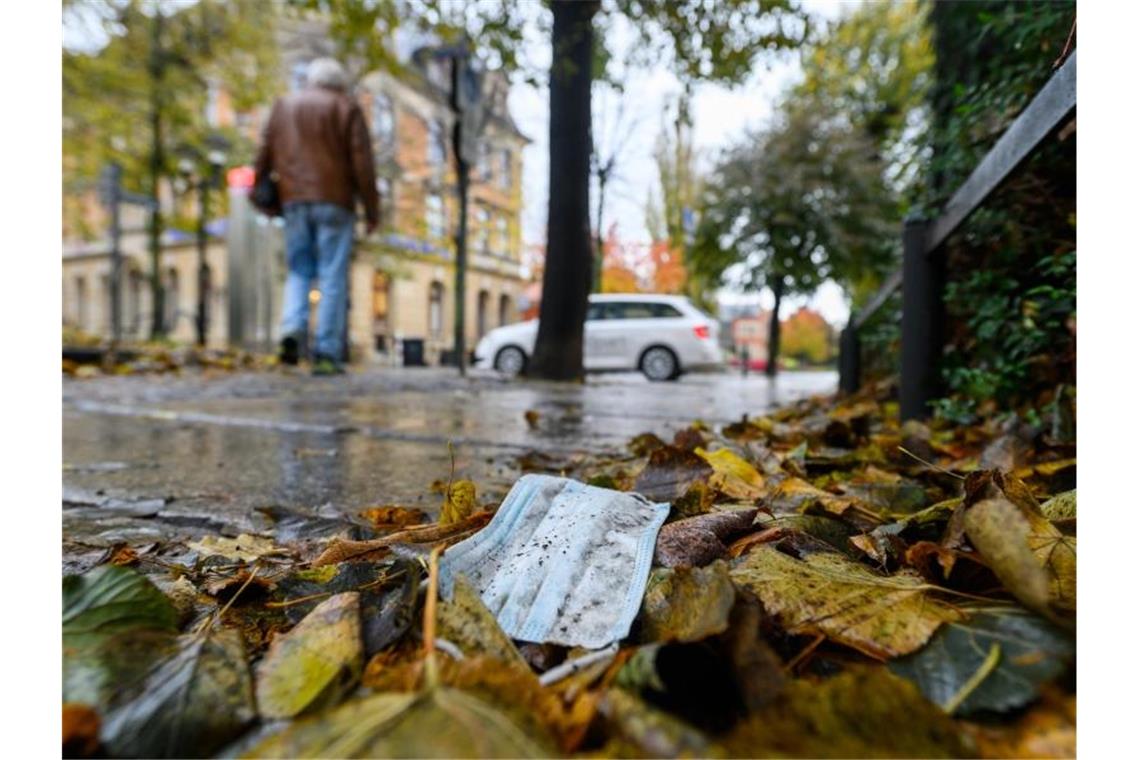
561 562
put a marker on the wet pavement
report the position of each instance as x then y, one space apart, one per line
158 457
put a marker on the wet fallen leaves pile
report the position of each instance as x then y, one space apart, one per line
831 583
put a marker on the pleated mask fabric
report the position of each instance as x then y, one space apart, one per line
561 562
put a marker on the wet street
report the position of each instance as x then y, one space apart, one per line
150 457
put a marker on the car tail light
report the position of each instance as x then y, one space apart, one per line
701 331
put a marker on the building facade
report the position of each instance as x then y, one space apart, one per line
402 289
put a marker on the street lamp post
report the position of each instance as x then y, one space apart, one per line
215 160
467 104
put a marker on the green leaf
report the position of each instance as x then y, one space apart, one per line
188 704
1032 652
314 664
109 600
438 722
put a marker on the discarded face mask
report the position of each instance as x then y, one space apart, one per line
561 562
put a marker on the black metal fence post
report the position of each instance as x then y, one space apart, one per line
922 282
849 359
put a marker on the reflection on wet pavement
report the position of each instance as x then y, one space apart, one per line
151 457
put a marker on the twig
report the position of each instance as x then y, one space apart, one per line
804 653
569 668
931 465
431 669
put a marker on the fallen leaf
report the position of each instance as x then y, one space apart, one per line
1033 560
437 722
80 730
532 418
687 604
109 600
1063 506
733 476
189 704
392 517
1046 730
882 616
244 548
669 474
655 733
697 541
466 622
316 663
1032 652
865 712
644 444
459 503
387 596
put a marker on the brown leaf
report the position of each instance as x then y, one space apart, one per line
391 517
80 730
669 474
697 541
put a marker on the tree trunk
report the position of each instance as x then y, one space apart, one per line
600 252
777 286
157 160
566 280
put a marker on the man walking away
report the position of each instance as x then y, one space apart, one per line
317 146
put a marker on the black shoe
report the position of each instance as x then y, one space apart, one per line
290 350
326 365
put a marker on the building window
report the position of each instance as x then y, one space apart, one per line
505 169
437 145
482 230
481 313
484 169
383 120
436 227
81 303
435 310
387 202
503 244
134 303
380 294
504 309
105 301
172 299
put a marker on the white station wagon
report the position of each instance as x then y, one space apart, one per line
660 335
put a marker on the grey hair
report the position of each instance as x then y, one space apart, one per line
327 73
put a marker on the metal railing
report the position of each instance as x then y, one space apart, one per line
922 276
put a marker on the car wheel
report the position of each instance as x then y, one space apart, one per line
510 361
660 364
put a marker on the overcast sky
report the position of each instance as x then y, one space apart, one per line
720 116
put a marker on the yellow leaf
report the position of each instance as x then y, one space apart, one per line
458 502
882 616
732 475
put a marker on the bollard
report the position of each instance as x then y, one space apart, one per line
922 309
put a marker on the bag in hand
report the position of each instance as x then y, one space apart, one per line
265 195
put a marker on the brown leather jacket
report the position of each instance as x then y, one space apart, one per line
316 141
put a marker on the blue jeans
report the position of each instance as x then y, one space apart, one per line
318 245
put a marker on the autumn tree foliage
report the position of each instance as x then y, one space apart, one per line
808 337
633 267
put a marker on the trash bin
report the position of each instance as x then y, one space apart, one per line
413 352
447 358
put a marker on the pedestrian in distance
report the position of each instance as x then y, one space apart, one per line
317 150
